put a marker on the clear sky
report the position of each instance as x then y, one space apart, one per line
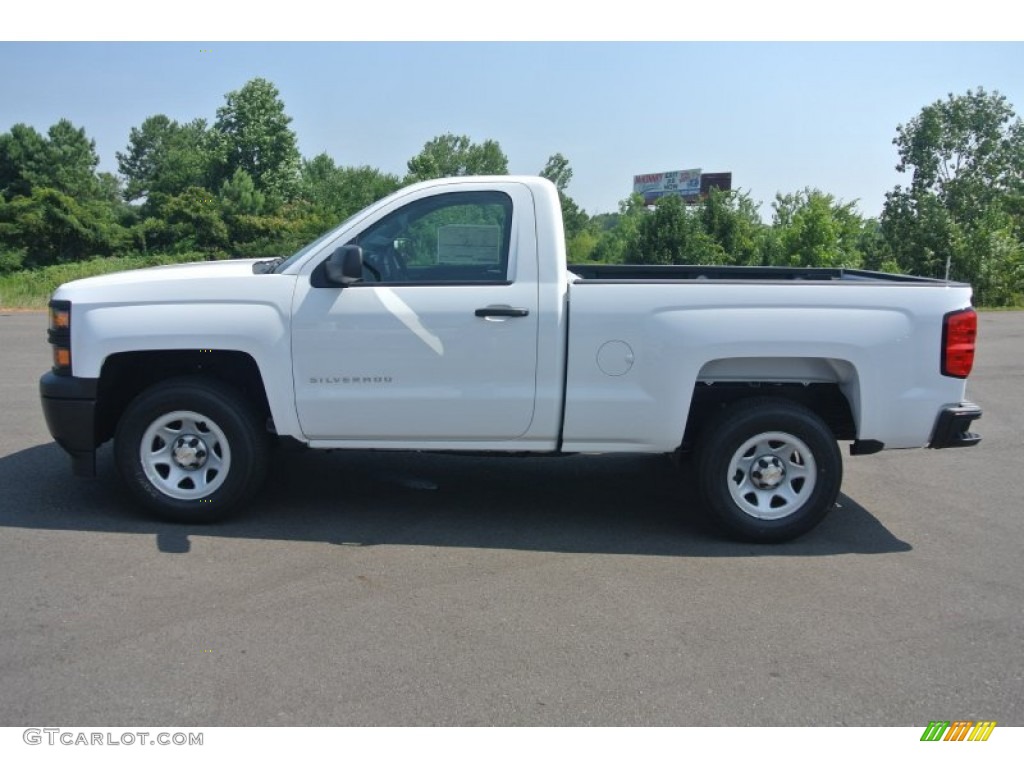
780 116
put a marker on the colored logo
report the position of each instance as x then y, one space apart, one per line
958 730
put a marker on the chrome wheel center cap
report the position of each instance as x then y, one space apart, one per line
767 472
190 452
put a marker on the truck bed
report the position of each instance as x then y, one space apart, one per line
689 272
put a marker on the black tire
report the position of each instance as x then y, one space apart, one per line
768 469
191 449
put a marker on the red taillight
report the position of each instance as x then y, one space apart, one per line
959 332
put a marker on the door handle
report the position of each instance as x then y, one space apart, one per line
501 312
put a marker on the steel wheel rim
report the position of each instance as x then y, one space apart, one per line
772 475
178 468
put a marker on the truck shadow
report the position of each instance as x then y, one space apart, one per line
623 504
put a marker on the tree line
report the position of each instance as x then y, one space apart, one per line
239 187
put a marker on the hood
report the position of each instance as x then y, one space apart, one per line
195 270
197 281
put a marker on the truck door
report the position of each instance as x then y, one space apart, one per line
439 340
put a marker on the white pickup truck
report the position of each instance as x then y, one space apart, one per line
445 318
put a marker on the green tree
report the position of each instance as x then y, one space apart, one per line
581 247
673 234
71 161
1006 281
968 151
48 227
878 255
962 213
320 183
54 207
732 220
109 189
192 221
239 196
64 160
251 133
451 155
920 233
814 230
22 160
558 171
163 158
618 231
339 192
240 207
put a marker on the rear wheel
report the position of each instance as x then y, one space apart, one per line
768 469
191 449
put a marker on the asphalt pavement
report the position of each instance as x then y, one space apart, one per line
410 589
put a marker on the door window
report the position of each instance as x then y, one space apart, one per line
460 237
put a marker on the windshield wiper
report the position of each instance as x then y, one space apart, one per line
263 267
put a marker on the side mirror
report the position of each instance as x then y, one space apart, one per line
345 266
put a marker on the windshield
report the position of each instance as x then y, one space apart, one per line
312 246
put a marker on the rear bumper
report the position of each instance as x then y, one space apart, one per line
69 406
952 427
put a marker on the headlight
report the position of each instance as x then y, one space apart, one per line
59 336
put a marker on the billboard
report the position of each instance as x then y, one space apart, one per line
722 181
686 184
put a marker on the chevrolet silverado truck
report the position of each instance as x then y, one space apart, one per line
445 318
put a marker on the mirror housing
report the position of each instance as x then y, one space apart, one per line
345 265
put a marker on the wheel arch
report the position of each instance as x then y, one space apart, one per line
828 387
125 375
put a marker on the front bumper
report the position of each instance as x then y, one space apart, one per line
69 405
952 427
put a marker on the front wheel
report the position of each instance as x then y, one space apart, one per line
769 469
191 449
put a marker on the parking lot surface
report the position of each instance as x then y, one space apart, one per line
411 589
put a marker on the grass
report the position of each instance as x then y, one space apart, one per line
31 288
